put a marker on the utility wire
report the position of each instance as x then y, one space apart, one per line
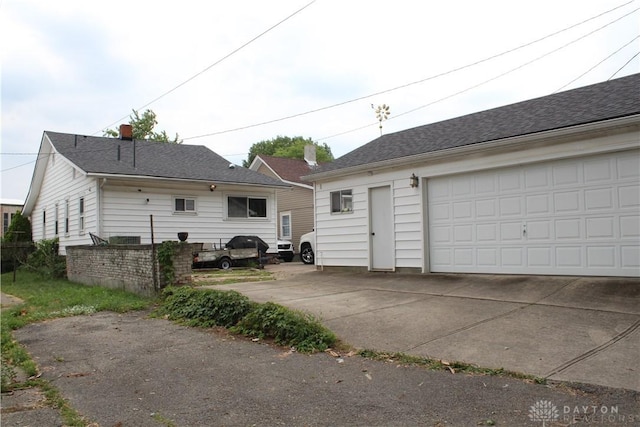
398 87
590 69
625 64
212 65
490 79
418 81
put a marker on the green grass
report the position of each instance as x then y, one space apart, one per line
47 299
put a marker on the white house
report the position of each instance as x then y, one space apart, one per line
112 186
545 186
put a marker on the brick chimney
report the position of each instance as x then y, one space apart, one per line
126 132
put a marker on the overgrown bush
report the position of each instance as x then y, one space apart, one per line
205 307
287 327
46 261
233 310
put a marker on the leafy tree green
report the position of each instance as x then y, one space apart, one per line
143 126
291 148
19 229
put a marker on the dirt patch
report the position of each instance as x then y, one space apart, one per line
7 300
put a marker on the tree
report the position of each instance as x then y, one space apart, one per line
291 148
143 128
19 229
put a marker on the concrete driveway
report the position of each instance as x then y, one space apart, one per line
563 328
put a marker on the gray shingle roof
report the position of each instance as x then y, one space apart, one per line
598 102
97 155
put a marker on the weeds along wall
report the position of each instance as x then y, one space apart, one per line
128 267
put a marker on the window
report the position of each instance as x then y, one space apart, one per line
341 201
44 223
5 222
66 217
55 221
246 207
81 215
181 204
285 225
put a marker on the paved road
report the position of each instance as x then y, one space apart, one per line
132 370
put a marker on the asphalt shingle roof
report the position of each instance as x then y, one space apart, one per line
288 169
598 102
98 155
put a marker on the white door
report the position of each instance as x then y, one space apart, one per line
567 217
381 229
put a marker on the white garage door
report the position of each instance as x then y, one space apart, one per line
569 217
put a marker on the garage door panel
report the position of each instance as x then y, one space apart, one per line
569 256
598 171
576 217
539 257
630 227
567 201
601 256
510 206
487 257
598 228
568 228
538 204
630 257
510 181
486 208
539 230
565 174
536 178
629 196
598 199
628 167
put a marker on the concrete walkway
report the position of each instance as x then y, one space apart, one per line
563 328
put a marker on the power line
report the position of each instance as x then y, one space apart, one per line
625 64
590 69
212 65
493 78
415 82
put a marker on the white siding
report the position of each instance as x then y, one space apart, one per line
126 212
343 239
60 184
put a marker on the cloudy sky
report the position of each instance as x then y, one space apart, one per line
229 74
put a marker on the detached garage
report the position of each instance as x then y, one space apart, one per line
546 186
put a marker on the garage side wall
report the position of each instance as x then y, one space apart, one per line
126 267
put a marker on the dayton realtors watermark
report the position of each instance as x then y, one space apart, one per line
546 412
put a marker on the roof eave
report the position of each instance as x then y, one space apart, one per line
499 144
186 180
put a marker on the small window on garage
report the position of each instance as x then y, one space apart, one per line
341 201
184 205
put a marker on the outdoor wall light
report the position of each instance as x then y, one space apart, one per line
212 187
413 180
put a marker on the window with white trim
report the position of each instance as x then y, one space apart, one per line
184 205
285 225
66 217
5 222
44 223
81 215
341 201
246 207
56 225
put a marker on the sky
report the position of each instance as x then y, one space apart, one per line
229 74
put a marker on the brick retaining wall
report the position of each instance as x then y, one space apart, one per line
127 267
